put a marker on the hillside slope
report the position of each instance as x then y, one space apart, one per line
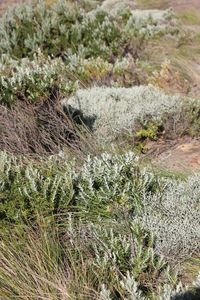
100 150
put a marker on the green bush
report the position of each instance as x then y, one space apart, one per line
65 29
28 190
70 42
59 30
110 186
150 131
34 80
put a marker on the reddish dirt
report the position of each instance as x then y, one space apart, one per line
181 5
182 155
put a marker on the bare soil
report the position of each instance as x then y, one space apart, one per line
181 5
181 155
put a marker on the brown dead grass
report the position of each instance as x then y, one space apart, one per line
38 129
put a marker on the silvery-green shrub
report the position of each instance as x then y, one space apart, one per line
115 109
33 80
173 215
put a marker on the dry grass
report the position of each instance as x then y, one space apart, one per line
37 129
183 54
35 265
36 274
190 270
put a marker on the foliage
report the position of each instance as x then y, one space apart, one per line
106 227
65 29
27 189
116 109
152 23
64 44
192 112
112 186
114 226
150 131
175 210
59 30
34 80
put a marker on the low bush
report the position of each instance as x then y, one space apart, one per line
90 226
58 30
34 81
117 109
66 28
108 230
152 23
173 215
171 126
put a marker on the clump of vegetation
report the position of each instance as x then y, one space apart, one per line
169 79
33 81
110 186
150 131
115 109
60 30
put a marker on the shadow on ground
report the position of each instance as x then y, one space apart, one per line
189 295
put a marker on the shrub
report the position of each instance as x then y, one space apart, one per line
34 80
173 215
58 30
66 28
101 186
150 131
112 224
116 109
28 190
152 23
80 261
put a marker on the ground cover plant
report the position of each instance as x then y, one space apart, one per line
81 215
119 259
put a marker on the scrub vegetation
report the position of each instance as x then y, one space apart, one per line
82 216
